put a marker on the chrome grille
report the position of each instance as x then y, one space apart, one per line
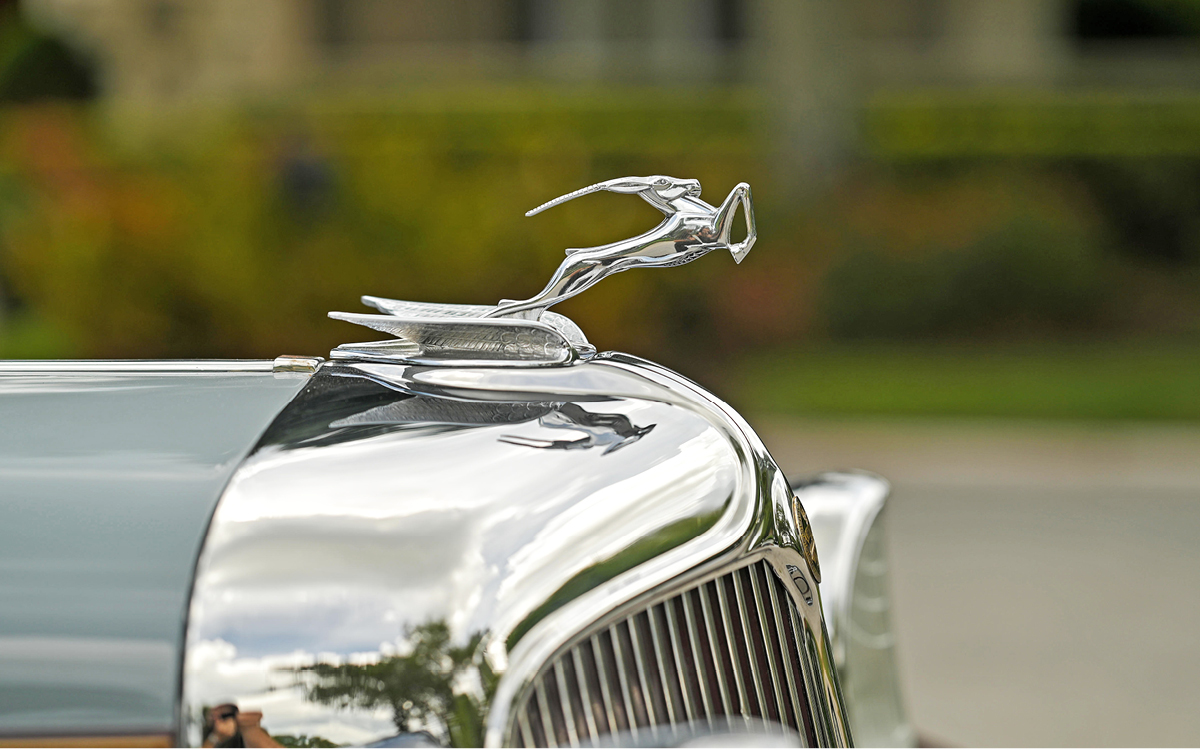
724 650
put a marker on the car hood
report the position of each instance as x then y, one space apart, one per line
108 478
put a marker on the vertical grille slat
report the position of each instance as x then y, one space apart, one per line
796 667
758 582
671 694
806 654
587 711
544 715
795 714
611 676
524 733
610 710
732 647
649 693
702 670
732 643
676 635
716 637
752 644
566 698
635 700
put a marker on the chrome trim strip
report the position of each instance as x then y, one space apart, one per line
794 686
810 682
525 729
764 626
689 615
735 659
661 656
602 675
639 663
585 694
677 654
623 680
827 719
718 662
121 366
547 721
755 671
564 697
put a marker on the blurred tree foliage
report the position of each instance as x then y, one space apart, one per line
233 233
1024 278
234 236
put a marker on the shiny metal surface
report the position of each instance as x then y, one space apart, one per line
109 472
293 363
846 510
665 687
388 533
438 334
841 508
522 333
692 228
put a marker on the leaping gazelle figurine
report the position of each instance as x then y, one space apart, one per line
692 228
524 333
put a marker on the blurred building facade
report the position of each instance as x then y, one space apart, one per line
164 50
816 63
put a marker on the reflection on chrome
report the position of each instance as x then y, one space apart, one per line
609 431
417 687
847 512
388 559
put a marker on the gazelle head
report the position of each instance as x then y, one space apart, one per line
657 189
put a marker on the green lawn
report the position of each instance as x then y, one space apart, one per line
1097 381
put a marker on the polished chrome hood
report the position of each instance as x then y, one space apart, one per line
446 531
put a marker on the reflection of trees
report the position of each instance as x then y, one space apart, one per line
417 688
302 740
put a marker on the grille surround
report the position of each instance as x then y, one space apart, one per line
666 667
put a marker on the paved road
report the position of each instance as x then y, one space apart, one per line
1046 577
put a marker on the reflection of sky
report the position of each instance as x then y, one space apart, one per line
341 548
267 684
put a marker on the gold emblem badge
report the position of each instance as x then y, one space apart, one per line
808 545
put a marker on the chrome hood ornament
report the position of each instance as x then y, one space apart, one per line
522 332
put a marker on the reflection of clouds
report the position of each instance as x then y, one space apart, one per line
216 674
342 547
516 525
694 483
336 584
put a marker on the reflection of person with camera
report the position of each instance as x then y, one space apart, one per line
226 726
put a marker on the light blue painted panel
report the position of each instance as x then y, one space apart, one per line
107 482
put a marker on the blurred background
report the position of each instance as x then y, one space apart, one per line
978 268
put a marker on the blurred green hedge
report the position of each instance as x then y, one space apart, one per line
235 235
232 233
